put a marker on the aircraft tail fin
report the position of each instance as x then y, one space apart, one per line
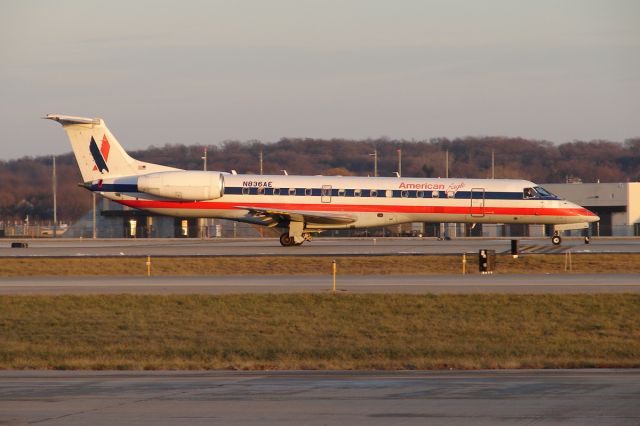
97 151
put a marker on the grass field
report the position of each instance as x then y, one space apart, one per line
299 265
343 331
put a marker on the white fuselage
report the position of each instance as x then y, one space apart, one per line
368 201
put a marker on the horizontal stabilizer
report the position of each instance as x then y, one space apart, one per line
69 119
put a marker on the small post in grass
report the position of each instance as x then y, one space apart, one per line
568 264
464 263
148 266
334 275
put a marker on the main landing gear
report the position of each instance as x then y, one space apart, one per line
287 240
296 235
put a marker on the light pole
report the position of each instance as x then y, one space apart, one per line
204 158
203 220
444 230
262 227
446 163
374 154
55 199
94 233
493 164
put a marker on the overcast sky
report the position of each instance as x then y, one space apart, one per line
207 71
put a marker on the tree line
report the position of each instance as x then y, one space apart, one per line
26 183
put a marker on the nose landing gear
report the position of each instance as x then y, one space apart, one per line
556 240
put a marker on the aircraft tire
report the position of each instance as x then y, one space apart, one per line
556 240
286 240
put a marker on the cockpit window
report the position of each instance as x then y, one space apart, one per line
529 193
544 193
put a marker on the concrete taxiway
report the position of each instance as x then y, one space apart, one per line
568 397
413 284
318 247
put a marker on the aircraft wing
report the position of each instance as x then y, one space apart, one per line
278 215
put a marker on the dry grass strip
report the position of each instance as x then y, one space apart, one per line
306 265
303 331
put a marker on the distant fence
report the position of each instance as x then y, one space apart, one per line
30 231
234 229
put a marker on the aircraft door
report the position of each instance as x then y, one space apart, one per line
477 202
325 194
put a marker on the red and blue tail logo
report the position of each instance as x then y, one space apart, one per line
100 155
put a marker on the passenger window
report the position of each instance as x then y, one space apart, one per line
342 192
404 194
261 190
276 191
357 192
373 193
308 192
435 194
388 193
245 191
420 194
451 194
292 191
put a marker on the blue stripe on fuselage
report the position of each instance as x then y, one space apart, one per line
349 193
381 193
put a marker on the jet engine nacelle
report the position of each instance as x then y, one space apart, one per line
183 185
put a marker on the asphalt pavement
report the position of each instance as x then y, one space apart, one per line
514 397
412 284
317 247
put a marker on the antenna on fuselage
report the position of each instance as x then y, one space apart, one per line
284 172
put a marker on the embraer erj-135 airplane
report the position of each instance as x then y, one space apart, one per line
305 205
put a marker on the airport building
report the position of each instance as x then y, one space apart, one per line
617 204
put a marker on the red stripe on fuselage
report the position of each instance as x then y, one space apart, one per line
359 208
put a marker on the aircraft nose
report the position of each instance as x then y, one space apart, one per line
590 216
584 214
